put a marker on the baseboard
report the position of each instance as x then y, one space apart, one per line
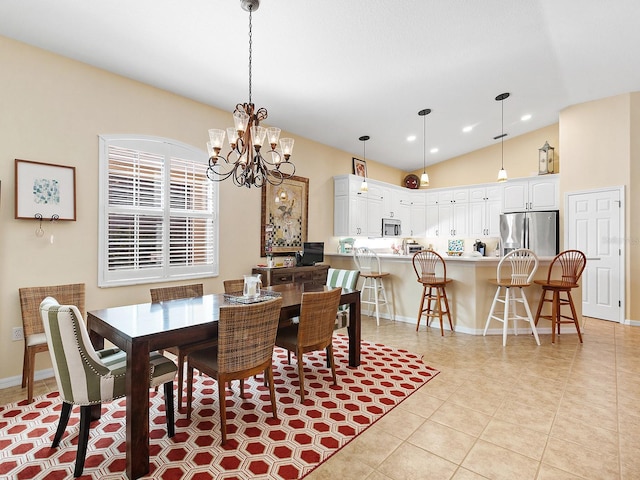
633 323
17 381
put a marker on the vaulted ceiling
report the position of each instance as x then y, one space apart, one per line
333 70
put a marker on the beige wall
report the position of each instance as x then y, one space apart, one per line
53 110
482 166
601 148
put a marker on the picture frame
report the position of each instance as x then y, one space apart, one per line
359 167
284 217
44 189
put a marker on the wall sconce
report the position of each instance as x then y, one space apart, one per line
546 159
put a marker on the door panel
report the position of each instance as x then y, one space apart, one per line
593 226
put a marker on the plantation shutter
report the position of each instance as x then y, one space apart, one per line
158 213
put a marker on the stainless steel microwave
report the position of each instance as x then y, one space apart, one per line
391 227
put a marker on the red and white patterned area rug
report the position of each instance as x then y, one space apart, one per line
304 436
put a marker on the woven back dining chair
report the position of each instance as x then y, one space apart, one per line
87 377
35 340
178 292
235 285
246 338
313 332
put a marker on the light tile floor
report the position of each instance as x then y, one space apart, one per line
554 412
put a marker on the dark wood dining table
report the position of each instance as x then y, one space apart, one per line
140 329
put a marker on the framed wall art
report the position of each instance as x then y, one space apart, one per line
285 210
359 167
45 189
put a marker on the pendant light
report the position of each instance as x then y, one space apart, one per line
364 187
502 174
424 178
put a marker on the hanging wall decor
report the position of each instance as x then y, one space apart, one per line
45 189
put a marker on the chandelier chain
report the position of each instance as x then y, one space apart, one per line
250 48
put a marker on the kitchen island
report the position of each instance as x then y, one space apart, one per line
470 293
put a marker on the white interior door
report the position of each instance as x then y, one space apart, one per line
593 226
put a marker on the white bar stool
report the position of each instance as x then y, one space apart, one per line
519 267
369 265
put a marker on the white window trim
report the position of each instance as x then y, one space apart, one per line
168 148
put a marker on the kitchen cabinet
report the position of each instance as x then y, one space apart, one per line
485 206
417 215
350 207
432 220
531 194
452 219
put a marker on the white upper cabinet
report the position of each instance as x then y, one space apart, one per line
485 205
531 194
417 220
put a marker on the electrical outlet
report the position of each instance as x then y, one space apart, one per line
17 334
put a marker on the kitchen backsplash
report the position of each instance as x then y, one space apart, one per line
440 245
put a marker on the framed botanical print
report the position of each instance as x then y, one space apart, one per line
45 189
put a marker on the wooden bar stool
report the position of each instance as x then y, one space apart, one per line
572 263
426 263
369 265
514 273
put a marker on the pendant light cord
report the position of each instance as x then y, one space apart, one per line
424 144
502 137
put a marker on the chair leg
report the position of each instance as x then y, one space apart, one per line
31 373
491 310
300 360
376 301
168 406
242 388
223 411
439 305
268 374
189 389
383 291
540 304
430 310
446 304
62 423
25 365
333 366
505 317
83 439
555 311
575 315
529 316
424 293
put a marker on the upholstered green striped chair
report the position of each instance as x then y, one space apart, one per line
87 377
346 279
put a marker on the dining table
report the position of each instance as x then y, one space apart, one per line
143 328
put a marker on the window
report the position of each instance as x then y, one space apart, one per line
158 212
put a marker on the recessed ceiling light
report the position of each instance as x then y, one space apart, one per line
411 138
467 129
526 117
434 150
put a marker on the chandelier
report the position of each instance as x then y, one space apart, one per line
246 163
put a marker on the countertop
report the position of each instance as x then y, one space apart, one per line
492 260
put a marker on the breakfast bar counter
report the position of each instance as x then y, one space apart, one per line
470 293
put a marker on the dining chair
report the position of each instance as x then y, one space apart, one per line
87 377
345 279
35 340
514 273
428 264
313 332
368 264
235 285
572 264
178 292
246 338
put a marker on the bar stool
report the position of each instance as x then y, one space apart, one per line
515 271
368 263
426 263
572 263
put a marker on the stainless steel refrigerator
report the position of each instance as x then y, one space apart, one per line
537 231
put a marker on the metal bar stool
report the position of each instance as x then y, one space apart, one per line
515 272
572 263
425 264
369 265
